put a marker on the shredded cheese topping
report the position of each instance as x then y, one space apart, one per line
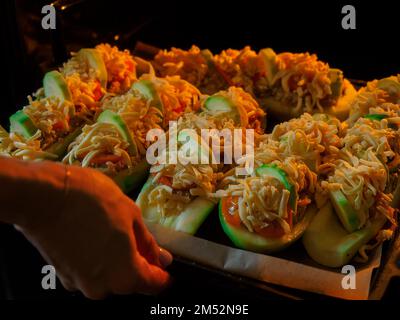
313 138
374 100
177 96
264 199
94 146
301 80
54 120
247 109
177 184
238 67
121 68
101 140
189 65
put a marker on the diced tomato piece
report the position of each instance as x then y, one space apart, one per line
274 230
229 205
97 92
166 181
303 202
101 159
130 65
58 126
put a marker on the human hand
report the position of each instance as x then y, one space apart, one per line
95 237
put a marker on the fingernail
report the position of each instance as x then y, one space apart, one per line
165 258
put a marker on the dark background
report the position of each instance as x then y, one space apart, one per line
370 51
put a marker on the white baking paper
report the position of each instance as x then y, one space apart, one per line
266 268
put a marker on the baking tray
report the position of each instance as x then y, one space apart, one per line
382 277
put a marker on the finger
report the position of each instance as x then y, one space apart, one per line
67 283
147 245
93 290
165 257
152 279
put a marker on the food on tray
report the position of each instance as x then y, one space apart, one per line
360 184
237 107
313 138
290 84
101 69
286 84
116 144
271 208
44 128
181 195
171 95
378 99
331 182
195 65
69 99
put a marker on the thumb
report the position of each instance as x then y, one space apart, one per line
153 279
148 246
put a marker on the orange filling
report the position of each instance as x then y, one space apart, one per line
273 230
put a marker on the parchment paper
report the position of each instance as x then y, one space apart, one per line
264 267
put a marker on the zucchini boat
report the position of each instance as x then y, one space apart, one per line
289 84
194 65
235 105
102 69
270 209
190 217
285 84
116 144
44 128
379 98
314 138
109 147
330 244
172 96
360 187
178 195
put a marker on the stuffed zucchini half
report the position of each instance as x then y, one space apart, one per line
269 209
194 65
171 95
289 84
109 146
44 128
181 195
286 84
95 71
360 186
68 100
116 144
315 139
178 195
380 97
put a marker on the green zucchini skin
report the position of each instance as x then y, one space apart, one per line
22 124
129 179
244 239
330 244
189 220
